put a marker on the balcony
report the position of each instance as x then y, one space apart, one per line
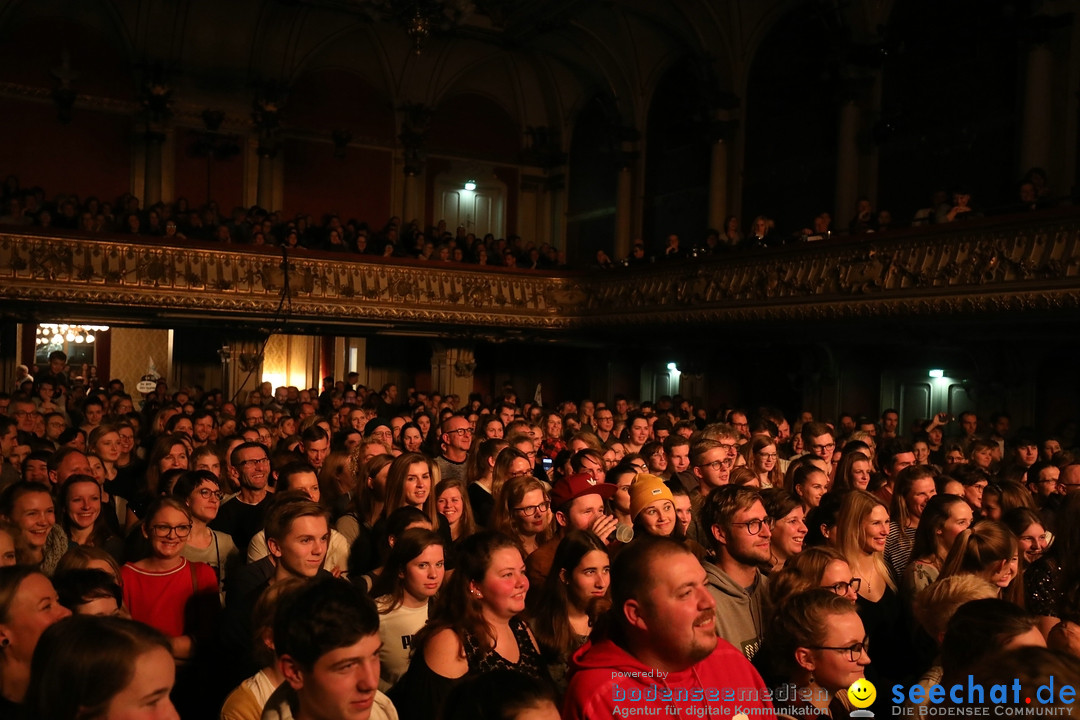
1024 266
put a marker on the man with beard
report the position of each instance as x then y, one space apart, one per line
739 530
660 654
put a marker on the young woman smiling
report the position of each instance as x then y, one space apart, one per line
159 588
452 502
412 576
573 596
81 516
476 630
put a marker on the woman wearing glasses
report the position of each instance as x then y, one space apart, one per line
165 590
820 647
523 511
815 567
762 458
199 490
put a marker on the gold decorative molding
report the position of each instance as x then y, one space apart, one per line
147 277
1017 265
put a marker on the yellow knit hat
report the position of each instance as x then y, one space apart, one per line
645 490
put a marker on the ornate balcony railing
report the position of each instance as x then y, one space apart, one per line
1015 264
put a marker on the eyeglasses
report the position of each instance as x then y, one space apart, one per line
729 446
533 509
715 465
842 588
824 448
249 463
754 526
767 456
164 531
460 431
854 652
207 493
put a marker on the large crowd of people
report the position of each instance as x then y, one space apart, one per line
347 552
180 221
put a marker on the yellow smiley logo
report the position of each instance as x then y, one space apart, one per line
862 693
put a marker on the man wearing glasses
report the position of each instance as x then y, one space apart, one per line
818 440
739 531
242 516
710 467
457 435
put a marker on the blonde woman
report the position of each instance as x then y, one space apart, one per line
862 528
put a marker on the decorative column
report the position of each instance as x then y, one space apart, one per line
847 161
1038 131
452 369
157 110
152 187
721 130
540 182
266 115
627 160
414 124
854 92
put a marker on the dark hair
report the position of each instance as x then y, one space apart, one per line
551 620
720 507
16 490
234 456
979 629
92 659
285 508
100 532
803 621
904 482
779 502
190 481
937 511
322 615
160 451
496 695
296 467
824 515
407 547
1031 668
79 586
458 609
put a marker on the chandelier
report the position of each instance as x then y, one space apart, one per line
421 18
51 334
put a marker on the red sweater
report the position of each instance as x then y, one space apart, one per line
164 599
606 681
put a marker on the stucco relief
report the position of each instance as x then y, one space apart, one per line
1032 266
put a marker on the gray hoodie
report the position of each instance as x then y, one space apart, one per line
740 612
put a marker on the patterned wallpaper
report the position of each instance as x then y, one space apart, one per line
132 349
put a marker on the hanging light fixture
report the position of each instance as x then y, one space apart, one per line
58 334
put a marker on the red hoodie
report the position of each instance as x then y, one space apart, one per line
606 682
